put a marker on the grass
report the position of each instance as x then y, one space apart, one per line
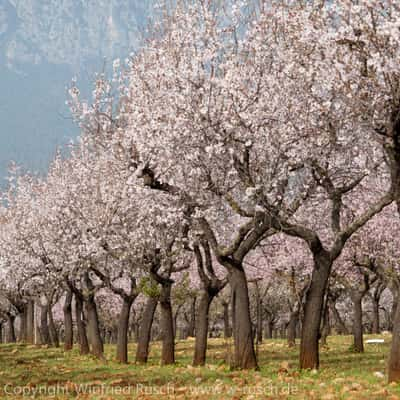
38 372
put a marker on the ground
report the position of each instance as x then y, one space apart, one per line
39 372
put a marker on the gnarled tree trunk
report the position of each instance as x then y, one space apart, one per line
245 356
309 347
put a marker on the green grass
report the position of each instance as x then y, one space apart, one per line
38 372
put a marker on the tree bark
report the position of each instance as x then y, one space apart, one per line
142 351
68 324
123 326
82 337
94 334
357 323
309 347
200 349
167 325
245 356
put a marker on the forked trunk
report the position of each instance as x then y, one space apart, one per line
142 351
200 348
82 337
245 356
123 326
167 325
94 334
68 325
357 324
309 347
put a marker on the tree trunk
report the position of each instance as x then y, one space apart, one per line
68 324
192 321
22 327
394 358
94 334
326 326
44 326
309 347
269 325
11 338
142 351
175 319
30 322
123 325
357 323
375 317
82 337
394 309
245 356
227 328
167 325
291 329
53 330
258 315
200 349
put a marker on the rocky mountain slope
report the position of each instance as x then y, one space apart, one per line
43 44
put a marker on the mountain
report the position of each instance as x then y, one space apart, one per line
43 45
